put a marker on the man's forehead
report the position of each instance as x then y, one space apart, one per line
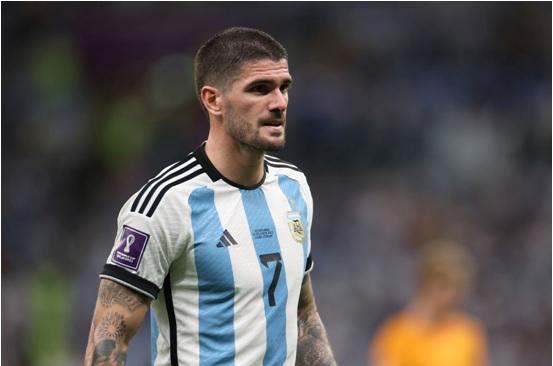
265 68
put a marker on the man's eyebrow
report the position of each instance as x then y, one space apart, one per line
286 82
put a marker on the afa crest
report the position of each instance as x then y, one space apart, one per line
296 227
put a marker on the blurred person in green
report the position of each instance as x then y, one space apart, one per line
433 330
50 313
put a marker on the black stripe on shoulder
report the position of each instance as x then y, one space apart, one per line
171 185
130 280
153 180
166 178
277 165
274 159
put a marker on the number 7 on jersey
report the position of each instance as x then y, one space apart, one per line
265 259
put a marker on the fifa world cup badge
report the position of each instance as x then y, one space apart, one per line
296 226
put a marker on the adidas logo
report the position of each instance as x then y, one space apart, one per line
226 240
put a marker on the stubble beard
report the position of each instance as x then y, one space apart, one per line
248 136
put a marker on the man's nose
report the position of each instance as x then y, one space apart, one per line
279 101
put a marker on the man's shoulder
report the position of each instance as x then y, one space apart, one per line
177 176
282 166
286 172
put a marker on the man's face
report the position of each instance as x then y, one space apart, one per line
254 105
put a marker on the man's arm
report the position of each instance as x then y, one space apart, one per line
313 346
118 315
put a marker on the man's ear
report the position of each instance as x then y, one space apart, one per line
211 99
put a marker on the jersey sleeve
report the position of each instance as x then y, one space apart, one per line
145 247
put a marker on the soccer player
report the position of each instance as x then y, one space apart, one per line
218 244
432 330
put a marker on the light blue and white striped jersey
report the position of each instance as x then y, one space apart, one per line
223 263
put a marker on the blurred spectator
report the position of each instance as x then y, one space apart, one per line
412 120
432 330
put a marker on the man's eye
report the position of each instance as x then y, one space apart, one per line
261 89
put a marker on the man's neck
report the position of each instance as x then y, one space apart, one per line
237 163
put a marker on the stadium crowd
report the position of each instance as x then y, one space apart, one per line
412 122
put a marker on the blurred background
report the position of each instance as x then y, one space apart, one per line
412 122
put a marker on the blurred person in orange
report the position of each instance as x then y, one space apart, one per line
433 330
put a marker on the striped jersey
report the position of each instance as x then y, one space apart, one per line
223 263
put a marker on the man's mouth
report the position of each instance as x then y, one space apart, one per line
274 123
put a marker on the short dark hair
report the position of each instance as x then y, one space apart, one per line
221 57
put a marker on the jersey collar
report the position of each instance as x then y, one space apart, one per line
215 175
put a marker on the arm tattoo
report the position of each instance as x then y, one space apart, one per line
110 332
106 353
313 345
112 326
112 293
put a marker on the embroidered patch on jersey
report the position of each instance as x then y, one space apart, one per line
130 248
296 226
